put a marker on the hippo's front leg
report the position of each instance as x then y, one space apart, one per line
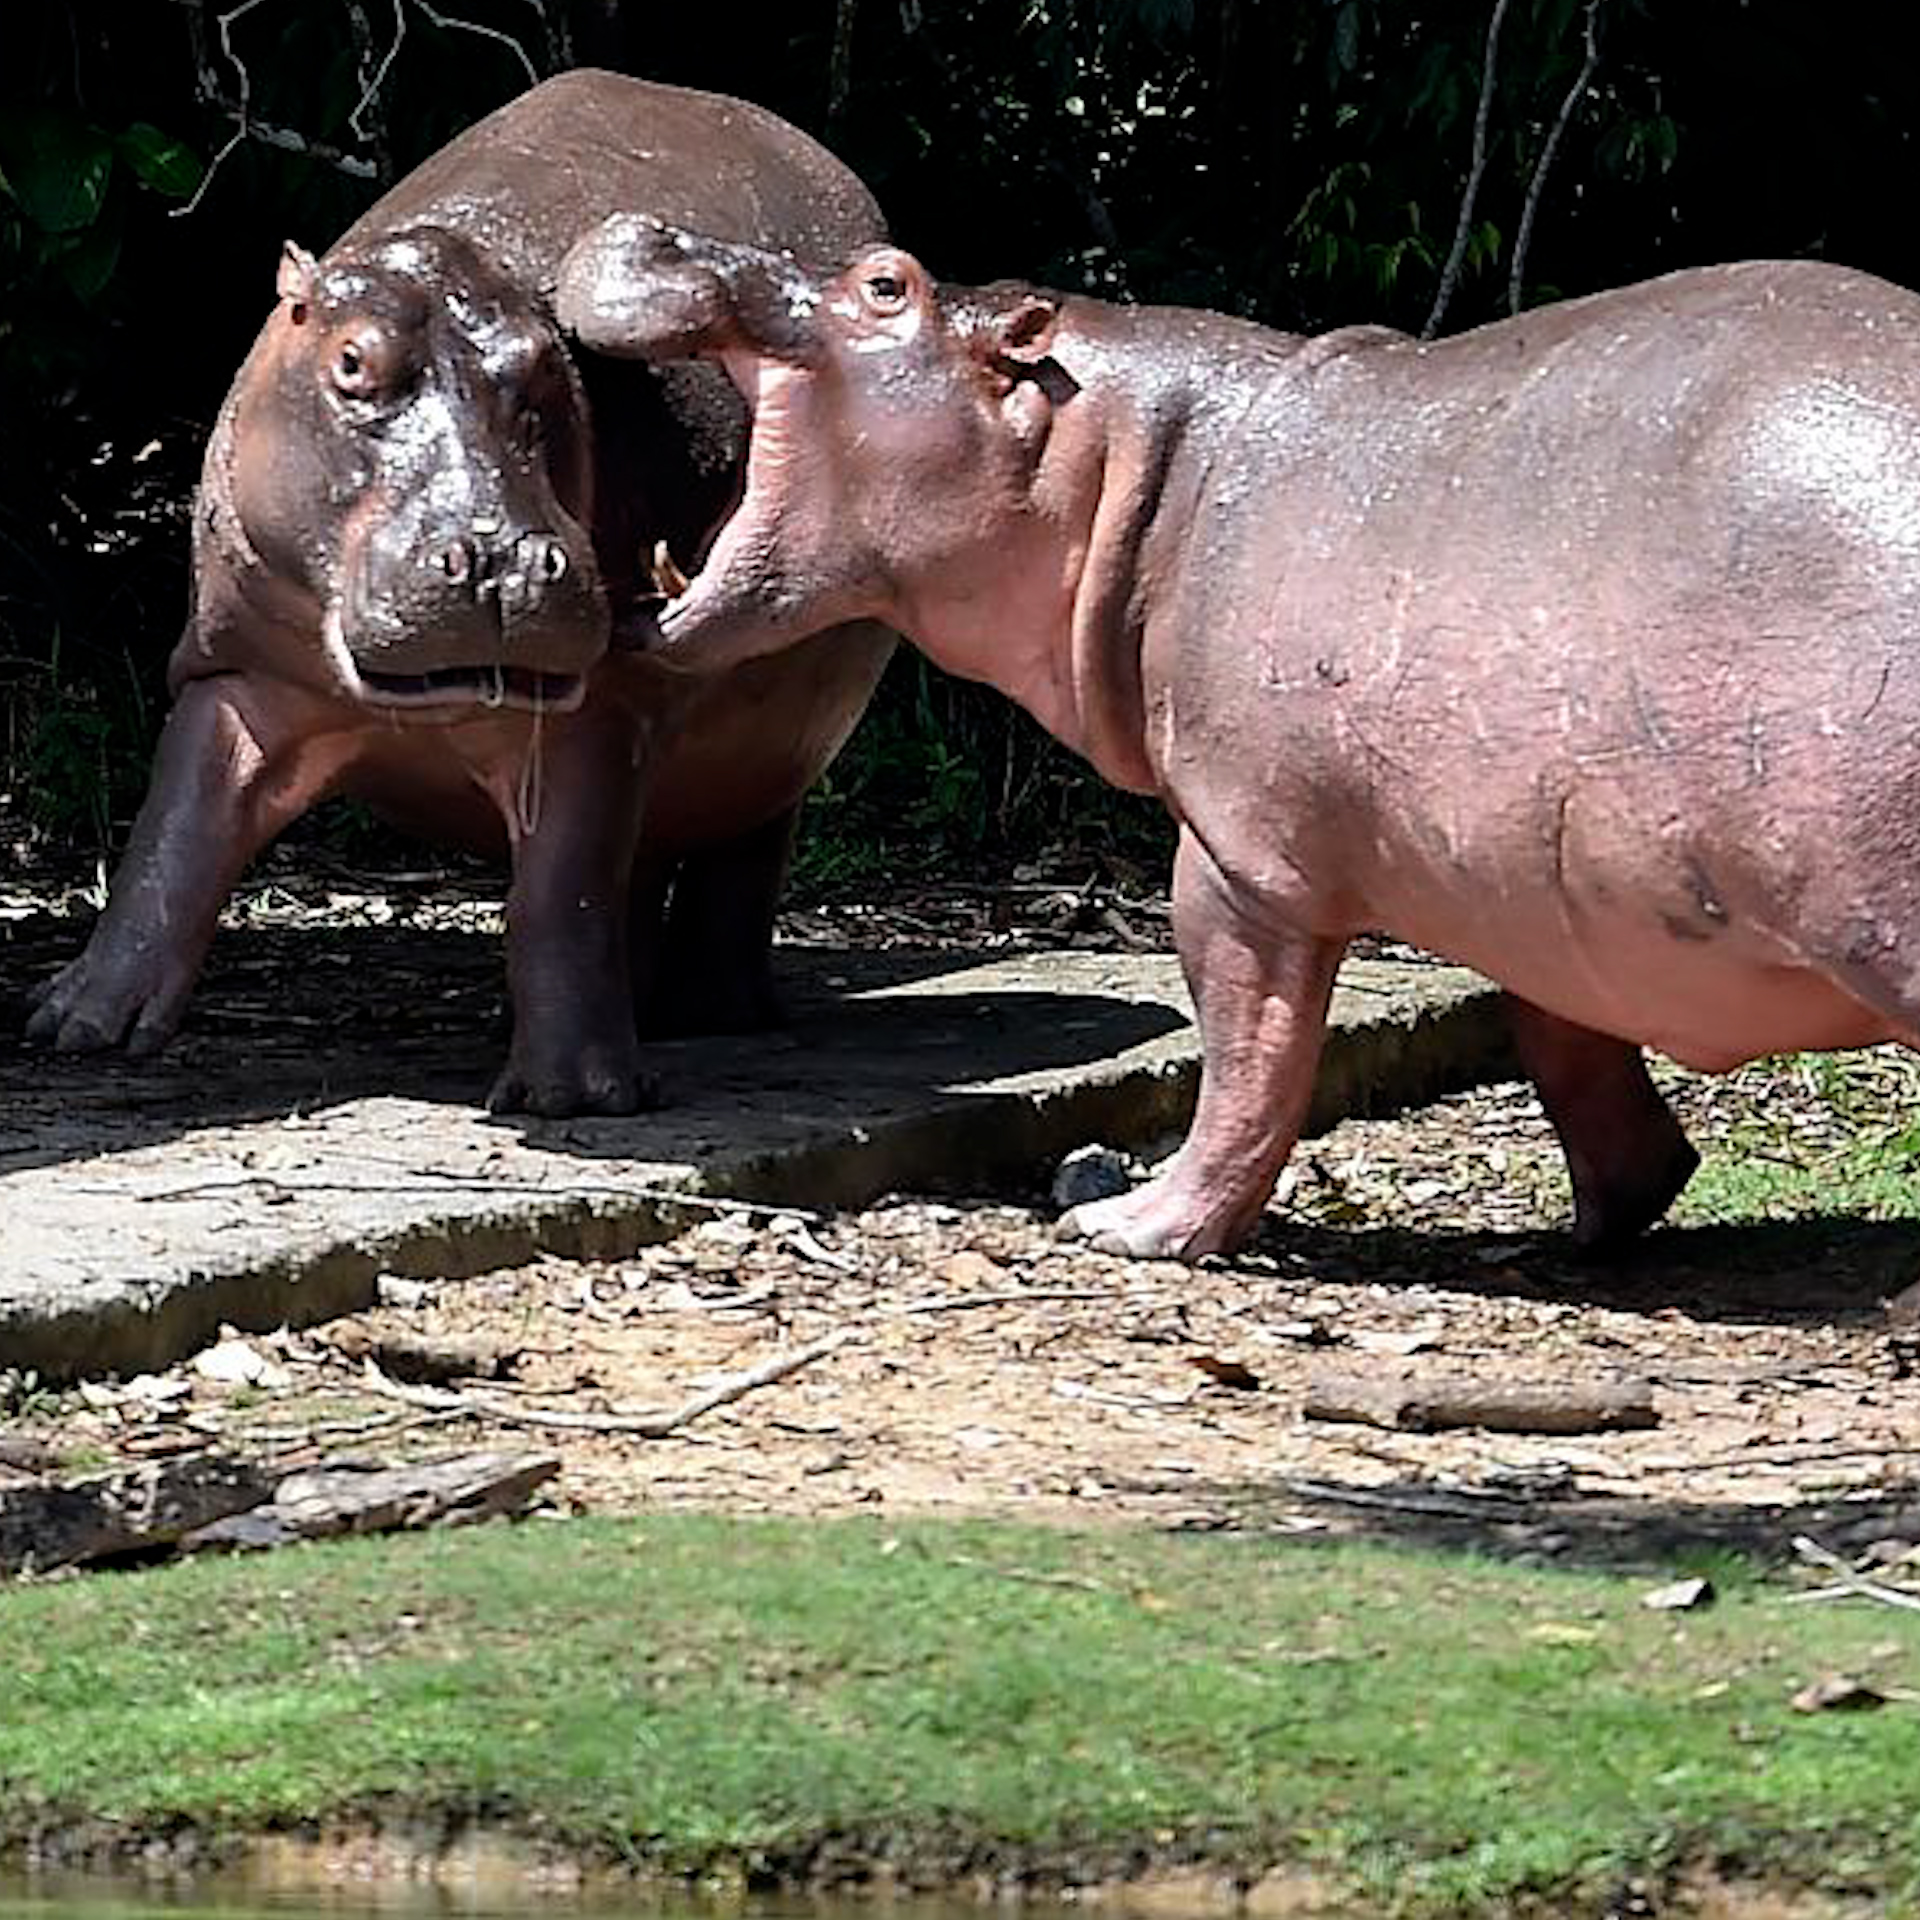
1260 989
229 774
573 815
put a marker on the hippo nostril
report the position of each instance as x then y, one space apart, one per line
455 560
543 559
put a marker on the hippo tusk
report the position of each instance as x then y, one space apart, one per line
667 576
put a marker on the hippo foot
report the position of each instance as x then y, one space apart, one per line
578 1085
91 1007
1610 1214
1159 1221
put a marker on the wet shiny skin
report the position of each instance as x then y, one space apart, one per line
1584 648
418 515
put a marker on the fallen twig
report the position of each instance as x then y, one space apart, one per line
295 1440
968 1302
642 1426
1788 1456
1847 1581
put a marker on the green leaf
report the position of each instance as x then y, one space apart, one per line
87 260
160 161
59 169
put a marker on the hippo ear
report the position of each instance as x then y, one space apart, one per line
1023 332
294 282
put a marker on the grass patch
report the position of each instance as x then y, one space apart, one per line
1806 1136
1447 1732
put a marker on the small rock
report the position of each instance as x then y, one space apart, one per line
1680 1596
1090 1173
728 1233
1903 1309
392 1291
1838 1693
234 1363
1401 1345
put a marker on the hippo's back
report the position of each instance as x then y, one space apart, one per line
529 179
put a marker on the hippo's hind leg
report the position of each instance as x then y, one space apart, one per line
1626 1154
1260 988
713 970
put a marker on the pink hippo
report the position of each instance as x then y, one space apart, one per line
1583 648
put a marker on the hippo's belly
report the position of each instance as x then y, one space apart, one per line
1642 911
1710 1004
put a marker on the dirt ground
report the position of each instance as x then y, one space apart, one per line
966 1361
961 1359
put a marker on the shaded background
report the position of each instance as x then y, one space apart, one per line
1300 161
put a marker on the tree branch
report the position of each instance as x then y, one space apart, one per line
368 120
1575 93
238 107
1463 228
440 19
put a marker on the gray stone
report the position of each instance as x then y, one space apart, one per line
1090 1173
274 1177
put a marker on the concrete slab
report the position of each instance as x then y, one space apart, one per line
279 1159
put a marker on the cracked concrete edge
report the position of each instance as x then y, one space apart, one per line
973 1142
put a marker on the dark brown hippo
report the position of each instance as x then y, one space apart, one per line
415 516
1584 648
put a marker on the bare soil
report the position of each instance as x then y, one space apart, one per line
982 1366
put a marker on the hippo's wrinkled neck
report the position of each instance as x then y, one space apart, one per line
1103 665
1129 479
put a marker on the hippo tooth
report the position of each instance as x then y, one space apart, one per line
667 576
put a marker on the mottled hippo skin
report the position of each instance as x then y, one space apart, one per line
418 522
1584 648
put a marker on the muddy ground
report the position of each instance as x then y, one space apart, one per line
973 1363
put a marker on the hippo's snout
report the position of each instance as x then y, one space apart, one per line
492 612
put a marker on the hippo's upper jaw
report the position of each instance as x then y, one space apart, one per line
809 544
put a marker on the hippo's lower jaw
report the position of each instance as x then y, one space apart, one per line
523 689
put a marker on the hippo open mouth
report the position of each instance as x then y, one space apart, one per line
750 564
524 689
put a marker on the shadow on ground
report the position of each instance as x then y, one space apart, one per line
287 1021
1534 1520
1816 1271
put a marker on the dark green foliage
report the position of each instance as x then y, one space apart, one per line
942 773
1300 161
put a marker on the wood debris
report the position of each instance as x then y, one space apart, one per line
209 1500
364 1497
1432 1399
60 1523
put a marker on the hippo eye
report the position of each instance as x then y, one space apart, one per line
357 367
884 292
